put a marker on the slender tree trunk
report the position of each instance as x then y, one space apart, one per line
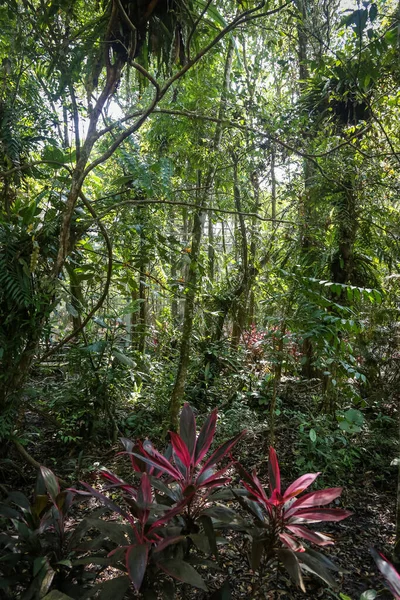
277 380
342 267
396 551
211 251
240 304
273 184
306 207
192 279
188 315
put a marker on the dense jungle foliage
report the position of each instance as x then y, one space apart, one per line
199 271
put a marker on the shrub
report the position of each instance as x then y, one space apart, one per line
167 521
279 522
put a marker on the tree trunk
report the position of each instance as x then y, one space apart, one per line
188 315
192 279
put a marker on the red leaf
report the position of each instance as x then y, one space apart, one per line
388 571
144 492
211 474
168 541
187 428
301 484
206 437
136 563
316 516
321 539
180 450
222 451
109 503
274 472
117 482
254 486
291 543
319 498
171 513
160 462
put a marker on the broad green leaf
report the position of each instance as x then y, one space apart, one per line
369 595
291 564
51 483
122 358
136 563
52 153
183 572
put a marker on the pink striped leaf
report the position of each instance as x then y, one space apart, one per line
168 542
222 451
243 473
210 474
180 449
321 539
159 461
171 513
206 437
291 564
187 428
291 542
216 482
318 515
390 574
253 492
136 563
117 482
301 484
319 498
130 448
274 474
144 491
109 503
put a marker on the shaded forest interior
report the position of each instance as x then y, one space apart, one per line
199 296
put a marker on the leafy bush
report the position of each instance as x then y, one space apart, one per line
167 521
35 549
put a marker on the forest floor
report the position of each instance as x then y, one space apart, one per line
371 499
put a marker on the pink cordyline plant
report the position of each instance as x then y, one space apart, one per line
281 521
390 574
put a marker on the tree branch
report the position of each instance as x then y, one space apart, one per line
106 286
192 205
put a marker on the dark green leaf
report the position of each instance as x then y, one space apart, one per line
373 12
122 358
208 527
291 564
183 572
51 483
257 549
136 563
316 566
